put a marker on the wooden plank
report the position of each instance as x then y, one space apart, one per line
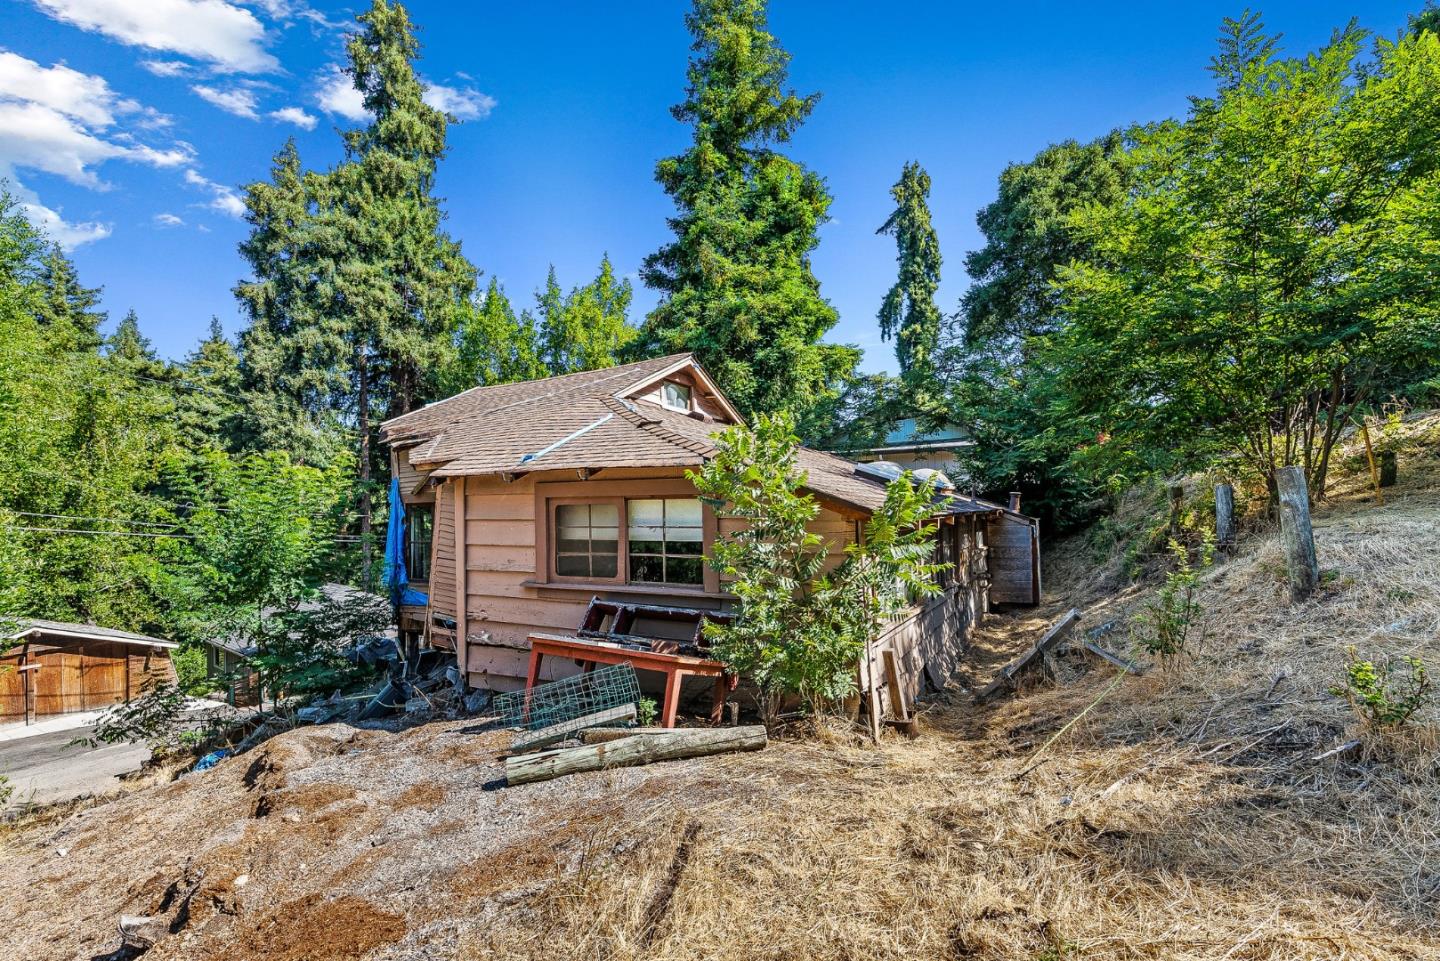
1123 663
1033 656
462 625
530 740
633 751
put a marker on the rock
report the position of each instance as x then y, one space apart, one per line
477 702
416 704
142 931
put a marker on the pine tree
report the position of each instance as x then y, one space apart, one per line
208 405
66 309
358 290
736 283
587 329
909 313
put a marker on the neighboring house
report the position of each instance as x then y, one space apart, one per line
528 499
914 449
50 667
227 658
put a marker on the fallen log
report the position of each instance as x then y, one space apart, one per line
599 735
633 751
1033 656
529 740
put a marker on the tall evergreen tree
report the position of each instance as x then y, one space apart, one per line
909 313
359 287
736 283
208 404
66 311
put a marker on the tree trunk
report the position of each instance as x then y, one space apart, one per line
1301 565
362 371
633 751
1224 517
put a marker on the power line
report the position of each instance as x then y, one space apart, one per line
63 530
101 520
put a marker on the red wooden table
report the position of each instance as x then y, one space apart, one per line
588 653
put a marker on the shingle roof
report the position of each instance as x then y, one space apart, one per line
584 421
478 401
32 625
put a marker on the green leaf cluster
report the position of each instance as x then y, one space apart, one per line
802 628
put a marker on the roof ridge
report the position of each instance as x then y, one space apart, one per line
601 375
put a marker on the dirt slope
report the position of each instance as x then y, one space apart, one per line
1183 817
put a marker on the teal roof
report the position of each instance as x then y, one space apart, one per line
907 433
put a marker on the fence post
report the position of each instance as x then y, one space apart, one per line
1296 533
1224 517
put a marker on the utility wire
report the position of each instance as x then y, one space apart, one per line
101 520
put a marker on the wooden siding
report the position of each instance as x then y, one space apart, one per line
1014 560
410 478
442 556
508 595
61 675
930 639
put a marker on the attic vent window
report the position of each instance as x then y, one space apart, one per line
675 396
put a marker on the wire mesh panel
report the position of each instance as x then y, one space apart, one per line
561 702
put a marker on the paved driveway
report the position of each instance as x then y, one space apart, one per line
46 768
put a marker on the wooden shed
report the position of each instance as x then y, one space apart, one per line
524 501
50 667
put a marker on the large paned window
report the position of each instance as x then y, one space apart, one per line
419 532
587 540
665 538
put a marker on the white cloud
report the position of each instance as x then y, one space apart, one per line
236 100
294 115
337 95
64 122
222 198
84 96
38 137
66 234
166 68
168 220
463 104
220 33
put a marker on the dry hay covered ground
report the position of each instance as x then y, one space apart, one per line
1183 817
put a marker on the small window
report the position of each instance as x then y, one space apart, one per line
666 541
419 531
587 542
675 396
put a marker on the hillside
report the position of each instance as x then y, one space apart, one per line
1183 817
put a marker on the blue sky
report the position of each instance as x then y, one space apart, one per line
128 126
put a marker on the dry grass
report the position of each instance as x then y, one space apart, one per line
1183 818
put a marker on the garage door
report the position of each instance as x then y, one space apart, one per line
83 678
12 688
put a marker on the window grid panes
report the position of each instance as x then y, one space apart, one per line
587 540
666 541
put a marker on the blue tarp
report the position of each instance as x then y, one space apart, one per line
396 577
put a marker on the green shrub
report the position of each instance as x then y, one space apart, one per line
800 629
1164 626
1386 695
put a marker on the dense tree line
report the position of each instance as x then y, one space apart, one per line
1227 288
